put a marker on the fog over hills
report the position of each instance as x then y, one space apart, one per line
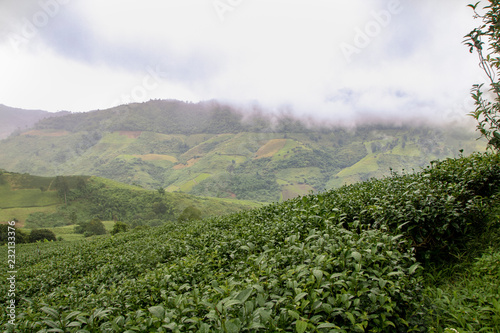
12 119
213 149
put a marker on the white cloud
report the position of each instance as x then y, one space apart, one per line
91 53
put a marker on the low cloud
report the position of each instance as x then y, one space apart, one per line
389 59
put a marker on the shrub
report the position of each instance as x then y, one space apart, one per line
93 227
41 235
190 213
119 227
437 209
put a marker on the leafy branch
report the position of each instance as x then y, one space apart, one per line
487 112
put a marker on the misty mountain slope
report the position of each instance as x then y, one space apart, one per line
12 119
212 150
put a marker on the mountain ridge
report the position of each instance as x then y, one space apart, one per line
16 119
212 149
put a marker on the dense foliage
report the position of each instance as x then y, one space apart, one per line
91 228
340 261
119 227
105 200
189 214
212 149
41 235
485 40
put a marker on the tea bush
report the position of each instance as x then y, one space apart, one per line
346 260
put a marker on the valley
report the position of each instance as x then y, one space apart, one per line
209 149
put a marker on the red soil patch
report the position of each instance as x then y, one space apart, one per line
131 134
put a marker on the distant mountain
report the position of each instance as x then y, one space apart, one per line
12 119
212 149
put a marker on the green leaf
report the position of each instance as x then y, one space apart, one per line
157 311
294 314
51 312
233 326
351 318
356 255
264 314
72 315
318 274
229 303
413 268
53 324
74 324
300 296
204 328
244 295
328 325
300 326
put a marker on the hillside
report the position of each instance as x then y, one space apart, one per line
14 119
211 149
356 259
41 202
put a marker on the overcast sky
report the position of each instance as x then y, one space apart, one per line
336 59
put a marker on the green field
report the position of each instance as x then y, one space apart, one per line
98 197
67 232
23 194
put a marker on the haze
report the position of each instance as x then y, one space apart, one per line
322 59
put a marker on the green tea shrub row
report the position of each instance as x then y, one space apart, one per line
339 261
437 209
323 280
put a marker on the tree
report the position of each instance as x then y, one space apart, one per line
159 208
73 217
485 40
41 235
81 185
95 227
119 227
189 214
62 188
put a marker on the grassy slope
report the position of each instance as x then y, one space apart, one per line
180 162
290 266
20 196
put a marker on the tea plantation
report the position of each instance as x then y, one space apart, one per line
407 253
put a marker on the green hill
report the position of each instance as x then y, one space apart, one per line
210 149
24 194
407 253
39 202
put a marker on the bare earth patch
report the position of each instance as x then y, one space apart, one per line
270 148
189 163
131 134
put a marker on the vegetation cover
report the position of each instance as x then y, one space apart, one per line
212 149
346 260
47 202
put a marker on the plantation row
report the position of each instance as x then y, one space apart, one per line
347 260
